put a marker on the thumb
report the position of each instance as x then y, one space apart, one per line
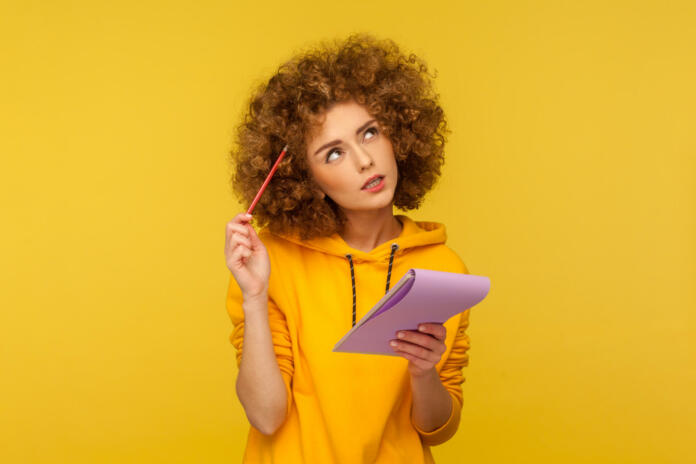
253 237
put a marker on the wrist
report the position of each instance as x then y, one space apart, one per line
427 376
256 297
255 303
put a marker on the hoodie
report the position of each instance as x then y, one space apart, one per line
347 407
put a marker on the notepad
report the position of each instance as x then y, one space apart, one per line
421 295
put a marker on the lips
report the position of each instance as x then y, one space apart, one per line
377 176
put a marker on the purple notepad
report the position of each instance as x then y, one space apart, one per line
421 295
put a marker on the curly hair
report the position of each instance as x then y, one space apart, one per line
396 89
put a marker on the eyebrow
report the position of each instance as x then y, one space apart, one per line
336 142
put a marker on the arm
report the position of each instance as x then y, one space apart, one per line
437 397
432 403
260 335
260 386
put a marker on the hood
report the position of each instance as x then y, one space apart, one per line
413 234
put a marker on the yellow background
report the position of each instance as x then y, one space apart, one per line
569 181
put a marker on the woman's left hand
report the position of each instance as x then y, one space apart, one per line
423 348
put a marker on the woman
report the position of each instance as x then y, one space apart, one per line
365 133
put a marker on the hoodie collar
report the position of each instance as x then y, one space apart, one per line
413 234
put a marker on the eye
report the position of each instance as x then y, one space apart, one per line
372 130
332 152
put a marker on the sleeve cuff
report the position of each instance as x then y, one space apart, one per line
287 380
446 430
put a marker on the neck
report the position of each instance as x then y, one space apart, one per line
366 230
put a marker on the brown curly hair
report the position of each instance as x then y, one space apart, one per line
395 89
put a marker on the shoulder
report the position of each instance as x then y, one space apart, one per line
454 258
445 258
279 249
286 259
428 239
269 240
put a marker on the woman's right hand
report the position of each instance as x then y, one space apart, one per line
247 257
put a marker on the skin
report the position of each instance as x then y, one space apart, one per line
341 170
358 150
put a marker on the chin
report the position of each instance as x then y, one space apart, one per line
371 206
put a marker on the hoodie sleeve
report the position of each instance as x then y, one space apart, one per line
279 334
451 377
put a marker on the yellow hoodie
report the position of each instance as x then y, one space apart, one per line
346 407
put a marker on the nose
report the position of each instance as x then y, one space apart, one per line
362 158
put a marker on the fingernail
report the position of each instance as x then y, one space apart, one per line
248 215
400 335
421 328
393 343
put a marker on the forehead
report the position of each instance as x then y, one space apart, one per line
338 121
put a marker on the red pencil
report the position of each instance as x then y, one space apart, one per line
268 179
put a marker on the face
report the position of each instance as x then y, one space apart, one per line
347 150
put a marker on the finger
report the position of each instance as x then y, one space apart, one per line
242 218
418 362
241 228
239 253
232 228
240 239
424 340
436 330
230 240
417 351
255 240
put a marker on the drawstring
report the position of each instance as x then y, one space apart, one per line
391 260
352 279
394 247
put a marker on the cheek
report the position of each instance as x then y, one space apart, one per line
337 183
394 166
330 181
388 149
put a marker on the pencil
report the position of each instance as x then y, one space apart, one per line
268 179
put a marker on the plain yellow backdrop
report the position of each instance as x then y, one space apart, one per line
569 181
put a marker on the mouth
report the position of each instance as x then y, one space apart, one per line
372 182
